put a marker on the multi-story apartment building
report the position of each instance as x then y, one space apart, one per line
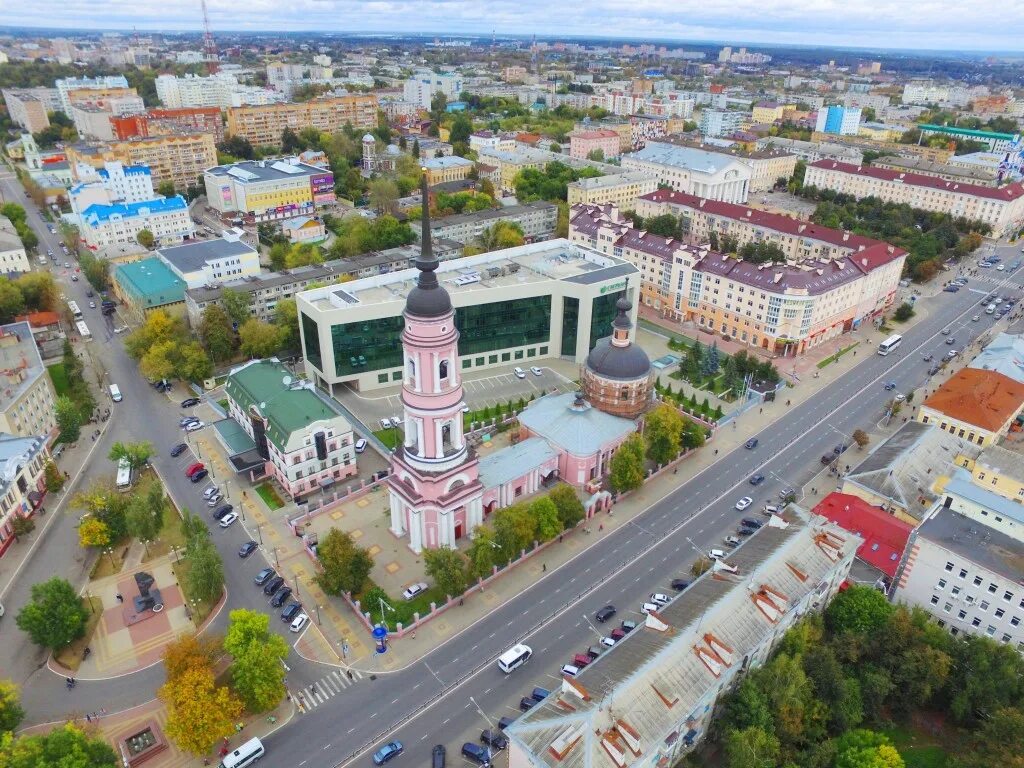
12 251
721 122
180 158
28 108
812 151
161 122
421 87
111 184
786 308
265 190
268 288
263 125
221 90
168 218
983 177
26 396
491 140
440 170
622 189
282 429
1001 208
23 463
583 143
537 220
693 170
67 85
202 262
668 677
768 112
839 120
966 575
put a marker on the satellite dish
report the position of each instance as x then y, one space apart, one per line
263 406
287 381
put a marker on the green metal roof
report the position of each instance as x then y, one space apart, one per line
235 438
150 282
261 384
968 132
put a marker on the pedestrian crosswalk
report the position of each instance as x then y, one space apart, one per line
327 687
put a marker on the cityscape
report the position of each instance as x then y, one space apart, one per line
375 378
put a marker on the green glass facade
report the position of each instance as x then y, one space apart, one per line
367 345
312 337
602 313
503 324
570 321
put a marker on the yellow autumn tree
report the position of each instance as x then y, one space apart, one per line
199 713
93 533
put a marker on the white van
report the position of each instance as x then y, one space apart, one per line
716 554
570 670
514 657
245 755
990 309
115 393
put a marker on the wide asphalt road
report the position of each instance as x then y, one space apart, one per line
457 690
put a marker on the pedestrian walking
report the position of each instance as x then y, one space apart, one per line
88 718
544 567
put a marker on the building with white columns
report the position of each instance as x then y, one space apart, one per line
693 170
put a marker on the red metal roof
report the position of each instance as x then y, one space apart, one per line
1008 192
885 537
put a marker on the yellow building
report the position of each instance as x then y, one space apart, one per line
767 112
444 169
27 399
974 404
265 190
621 189
180 158
263 125
880 132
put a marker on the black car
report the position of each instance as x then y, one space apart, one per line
179 449
281 597
199 476
505 722
757 479
222 511
437 756
290 610
679 584
841 448
605 613
751 443
933 370
247 549
741 531
107 310
751 522
188 402
527 703
264 576
493 739
476 753
273 585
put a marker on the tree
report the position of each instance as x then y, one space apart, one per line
665 225
751 748
142 521
189 651
259 339
193 362
692 435
11 713
344 566
481 552
54 616
236 304
663 431
156 328
166 188
627 465
700 566
216 333
860 437
570 508
193 527
416 148
861 748
69 419
136 454
64 747
257 673
597 155
859 609
146 238
22 526
206 572
546 518
447 568
93 532
903 312
383 194
160 361
199 713
747 708
514 530
237 146
461 129
501 234
555 147
286 318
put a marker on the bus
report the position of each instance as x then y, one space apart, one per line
75 311
83 330
124 475
889 344
245 755
514 657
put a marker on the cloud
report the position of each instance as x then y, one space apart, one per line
927 24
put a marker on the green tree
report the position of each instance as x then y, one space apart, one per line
206 570
12 303
747 708
257 674
258 339
461 129
216 333
136 454
903 312
665 225
546 518
447 567
54 616
22 526
481 552
862 748
142 520
859 609
166 188
570 508
286 318
193 527
146 238
597 155
514 530
236 304
344 567
663 432
500 235
999 741
11 713
627 465
64 747
53 477
751 748
69 419
383 194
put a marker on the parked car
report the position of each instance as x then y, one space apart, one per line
732 541
210 491
360 445
757 479
503 723
751 522
389 751
188 402
605 613
273 585
628 626
933 370
290 610
214 500
679 584
751 443
195 426
264 576
385 423
281 597
951 289
890 386
199 476
540 693
413 589
827 458
951 354
659 598
228 519
299 622
179 449
247 549
536 371
608 641
184 421
649 607
476 753
519 372
438 753
223 512
493 739
528 702
743 503
193 468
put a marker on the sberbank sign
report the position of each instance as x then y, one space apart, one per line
613 287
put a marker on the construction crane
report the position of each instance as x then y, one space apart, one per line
209 47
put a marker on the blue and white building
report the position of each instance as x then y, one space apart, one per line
114 183
842 121
421 87
104 225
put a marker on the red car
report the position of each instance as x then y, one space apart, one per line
581 660
193 468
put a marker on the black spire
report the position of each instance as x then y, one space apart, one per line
623 305
427 298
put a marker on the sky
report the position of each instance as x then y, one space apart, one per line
975 25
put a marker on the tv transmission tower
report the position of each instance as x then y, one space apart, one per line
209 47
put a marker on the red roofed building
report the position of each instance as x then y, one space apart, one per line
885 537
1002 208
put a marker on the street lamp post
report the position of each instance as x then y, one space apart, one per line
296 587
259 530
318 615
110 554
88 596
276 561
145 543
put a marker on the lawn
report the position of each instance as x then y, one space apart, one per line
403 610
170 536
835 358
59 378
70 656
387 436
918 749
202 608
269 496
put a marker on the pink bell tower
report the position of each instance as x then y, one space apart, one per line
435 490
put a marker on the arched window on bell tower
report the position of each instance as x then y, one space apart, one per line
410 365
442 370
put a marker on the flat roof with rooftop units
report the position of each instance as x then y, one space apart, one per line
548 299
